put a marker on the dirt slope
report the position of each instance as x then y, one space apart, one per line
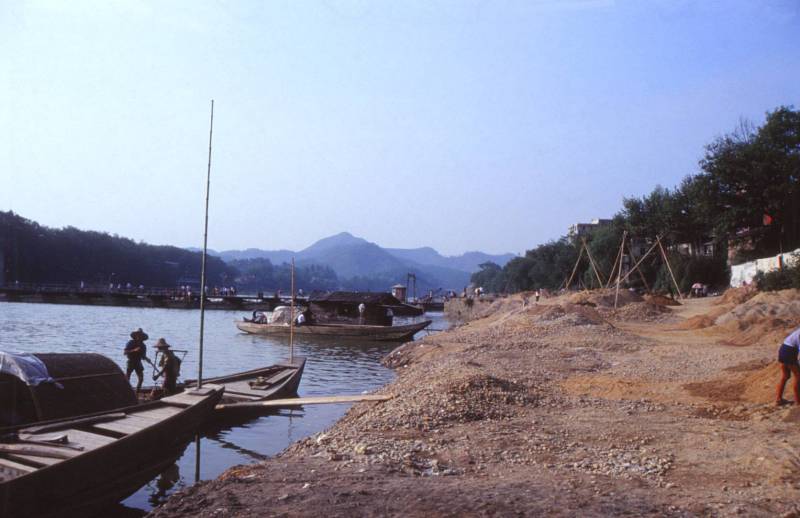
560 408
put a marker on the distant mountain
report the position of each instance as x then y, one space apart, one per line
360 264
275 256
469 262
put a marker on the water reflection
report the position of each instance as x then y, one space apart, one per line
165 481
332 368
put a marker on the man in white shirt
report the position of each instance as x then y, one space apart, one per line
787 357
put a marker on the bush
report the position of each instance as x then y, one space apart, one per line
784 279
689 270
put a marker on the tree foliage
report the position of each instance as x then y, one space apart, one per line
746 179
37 254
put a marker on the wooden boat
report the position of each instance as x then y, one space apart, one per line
267 383
400 333
78 465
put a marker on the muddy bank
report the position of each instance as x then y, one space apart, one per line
560 407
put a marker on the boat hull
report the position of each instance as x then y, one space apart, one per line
237 389
343 331
103 476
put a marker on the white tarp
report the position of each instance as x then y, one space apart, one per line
744 273
25 366
283 314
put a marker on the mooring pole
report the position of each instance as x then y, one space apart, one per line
205 252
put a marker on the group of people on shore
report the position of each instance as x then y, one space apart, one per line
168 364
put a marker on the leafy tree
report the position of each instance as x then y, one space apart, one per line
491 277
756 172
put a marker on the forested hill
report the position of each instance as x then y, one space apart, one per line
38 254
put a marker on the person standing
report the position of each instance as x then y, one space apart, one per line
136 351
361 310
170 367
787 357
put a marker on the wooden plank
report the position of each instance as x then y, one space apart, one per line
34 461
160 413
89 441
319 400
10 469
128 425
37 450
190 397
61 425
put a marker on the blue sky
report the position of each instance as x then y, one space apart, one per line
461 125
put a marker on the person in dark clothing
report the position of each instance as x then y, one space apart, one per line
170 367
136 352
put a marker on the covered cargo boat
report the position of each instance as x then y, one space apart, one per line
45 386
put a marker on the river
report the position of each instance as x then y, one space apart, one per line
331 369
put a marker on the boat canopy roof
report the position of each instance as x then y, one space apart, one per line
43 386
355 297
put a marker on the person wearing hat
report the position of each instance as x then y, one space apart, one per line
136 351
170 367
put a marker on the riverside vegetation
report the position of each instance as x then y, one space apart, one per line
745 199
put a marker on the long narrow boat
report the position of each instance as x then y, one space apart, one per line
267 383
345 331
74 466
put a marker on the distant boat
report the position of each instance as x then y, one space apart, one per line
77 466
338 330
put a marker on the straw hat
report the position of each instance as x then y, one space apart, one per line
162 344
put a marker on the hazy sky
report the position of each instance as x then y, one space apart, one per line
461 125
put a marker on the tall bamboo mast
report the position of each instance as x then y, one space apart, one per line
205 252
291 325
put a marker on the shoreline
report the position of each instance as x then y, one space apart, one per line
559 407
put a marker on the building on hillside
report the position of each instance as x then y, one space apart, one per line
579 230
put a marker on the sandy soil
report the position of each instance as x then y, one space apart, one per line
561 407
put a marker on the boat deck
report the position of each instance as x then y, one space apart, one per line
35 447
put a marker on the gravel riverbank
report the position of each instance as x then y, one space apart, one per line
561 407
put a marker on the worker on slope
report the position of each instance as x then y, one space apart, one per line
170 367
787 356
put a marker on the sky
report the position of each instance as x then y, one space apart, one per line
461 125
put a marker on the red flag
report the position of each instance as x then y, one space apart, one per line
767 219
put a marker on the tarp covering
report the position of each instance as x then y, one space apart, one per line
25 366
283 314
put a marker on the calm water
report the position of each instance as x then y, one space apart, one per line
332 368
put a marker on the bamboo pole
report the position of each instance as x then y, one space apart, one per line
574 269
613 269
639 261
314 400
619 268
205 252
641 275
291 325
669 268
591 261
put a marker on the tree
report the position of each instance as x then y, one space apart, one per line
491 277
756 175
